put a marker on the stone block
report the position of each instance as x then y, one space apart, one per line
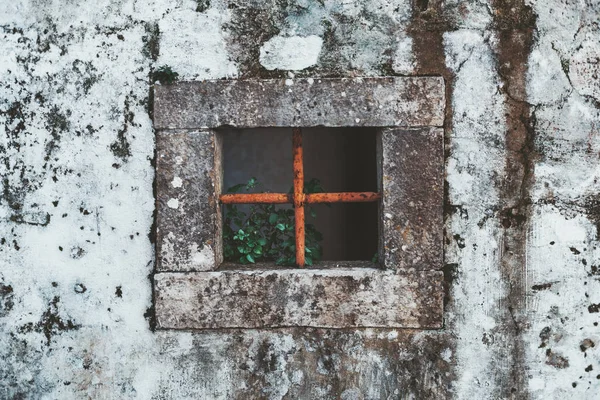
387 101
334 298
412 186
188 183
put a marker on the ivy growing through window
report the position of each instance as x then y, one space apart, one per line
266 231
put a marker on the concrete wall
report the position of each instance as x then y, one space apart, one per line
522 208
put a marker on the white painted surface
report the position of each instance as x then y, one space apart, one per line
290 53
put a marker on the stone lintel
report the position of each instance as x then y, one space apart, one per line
333 102
336 298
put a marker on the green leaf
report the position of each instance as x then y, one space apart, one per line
257 250
250 258
262 241
308 261
375 258
243 249
235 188
252 182
281 227
272 218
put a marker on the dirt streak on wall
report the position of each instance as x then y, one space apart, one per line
515 27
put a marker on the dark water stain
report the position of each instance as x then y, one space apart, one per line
542 286
121 147
556 360
202 5
6 299
50 323
515 24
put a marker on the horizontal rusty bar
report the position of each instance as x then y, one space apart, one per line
284 198
249 198
344 197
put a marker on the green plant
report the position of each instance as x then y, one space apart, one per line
165 75
266 232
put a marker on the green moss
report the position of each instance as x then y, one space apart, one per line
165 75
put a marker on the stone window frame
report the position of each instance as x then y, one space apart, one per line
191 287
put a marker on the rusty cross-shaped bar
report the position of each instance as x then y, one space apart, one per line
298 198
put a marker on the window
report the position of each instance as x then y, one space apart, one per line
193 290
335 160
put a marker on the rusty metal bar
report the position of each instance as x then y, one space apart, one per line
345 197
249 198
298 195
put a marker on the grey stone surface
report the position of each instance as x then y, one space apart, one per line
412 185
386 101
340 298
188 182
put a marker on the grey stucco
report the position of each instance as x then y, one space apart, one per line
521 213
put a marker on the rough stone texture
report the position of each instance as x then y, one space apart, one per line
340 298
416 101
77 151
188 173
188 184
412 176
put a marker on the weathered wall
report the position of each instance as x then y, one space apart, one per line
522 208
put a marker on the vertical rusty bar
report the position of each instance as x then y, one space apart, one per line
299 195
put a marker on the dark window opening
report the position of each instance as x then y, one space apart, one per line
341 159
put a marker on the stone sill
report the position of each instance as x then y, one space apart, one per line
278 298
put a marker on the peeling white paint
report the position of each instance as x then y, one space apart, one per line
290 53
173 203
203 258
404 59
187 35
177 182
478 118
